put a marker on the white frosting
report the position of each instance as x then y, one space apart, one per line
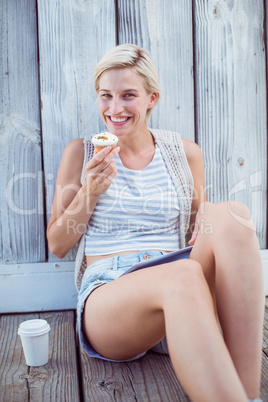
104 139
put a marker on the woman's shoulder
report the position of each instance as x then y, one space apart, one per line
192 150
74 148
71 162
193 155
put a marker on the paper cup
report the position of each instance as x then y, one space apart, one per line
34 338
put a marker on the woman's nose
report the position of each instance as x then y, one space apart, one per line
116 106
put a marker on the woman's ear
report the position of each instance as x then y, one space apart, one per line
153 99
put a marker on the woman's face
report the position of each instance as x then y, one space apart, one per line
123 101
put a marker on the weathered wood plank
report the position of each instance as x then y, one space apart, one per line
148 379
72 38
264 378
21 193
165 30
231 102
13 385
265 329
57 380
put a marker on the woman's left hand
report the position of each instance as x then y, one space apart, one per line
195 232
199 220
197 223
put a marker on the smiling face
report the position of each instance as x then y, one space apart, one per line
123 101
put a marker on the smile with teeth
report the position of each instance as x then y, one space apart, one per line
118 119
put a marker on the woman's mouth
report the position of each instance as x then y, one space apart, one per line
118 120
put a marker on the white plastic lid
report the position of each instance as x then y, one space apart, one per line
34 327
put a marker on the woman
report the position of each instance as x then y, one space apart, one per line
136 202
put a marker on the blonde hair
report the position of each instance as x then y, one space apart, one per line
136 58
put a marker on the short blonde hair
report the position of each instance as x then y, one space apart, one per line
136 58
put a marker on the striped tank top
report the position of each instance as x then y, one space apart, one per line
140 210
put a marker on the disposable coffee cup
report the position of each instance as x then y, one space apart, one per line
34 338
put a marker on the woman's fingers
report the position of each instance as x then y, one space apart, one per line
100 171
102 158
194 234
108 170
203 207
99 182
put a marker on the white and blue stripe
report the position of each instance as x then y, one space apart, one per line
140 210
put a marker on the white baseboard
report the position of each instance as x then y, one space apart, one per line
37 287
50 286
264 256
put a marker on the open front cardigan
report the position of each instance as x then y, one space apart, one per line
171 148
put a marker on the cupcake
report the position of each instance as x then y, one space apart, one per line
103 140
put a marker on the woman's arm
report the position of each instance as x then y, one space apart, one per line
68 208
195 160
73 204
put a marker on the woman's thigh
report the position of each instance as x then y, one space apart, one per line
125 317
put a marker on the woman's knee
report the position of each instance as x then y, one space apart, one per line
236 221
230 218
238 212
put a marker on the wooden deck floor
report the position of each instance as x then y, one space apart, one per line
71 375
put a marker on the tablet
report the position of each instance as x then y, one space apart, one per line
163 259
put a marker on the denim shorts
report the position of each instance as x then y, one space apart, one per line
107 270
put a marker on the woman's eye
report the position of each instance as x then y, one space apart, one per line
128 95
106 96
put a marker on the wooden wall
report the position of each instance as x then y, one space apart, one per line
211 57
22 233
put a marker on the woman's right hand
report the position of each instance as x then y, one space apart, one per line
100 172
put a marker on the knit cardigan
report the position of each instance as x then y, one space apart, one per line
171 148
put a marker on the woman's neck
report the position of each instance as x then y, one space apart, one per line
135 143
138 152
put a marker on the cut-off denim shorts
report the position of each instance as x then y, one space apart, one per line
108 269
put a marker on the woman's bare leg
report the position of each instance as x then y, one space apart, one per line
227 246
131 314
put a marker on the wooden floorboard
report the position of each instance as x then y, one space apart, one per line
73 376
265 329
55 381
264 377
150 378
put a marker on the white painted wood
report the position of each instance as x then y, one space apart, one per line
21 188
37 287
231 102
165 30
73 36
50 286
264 256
